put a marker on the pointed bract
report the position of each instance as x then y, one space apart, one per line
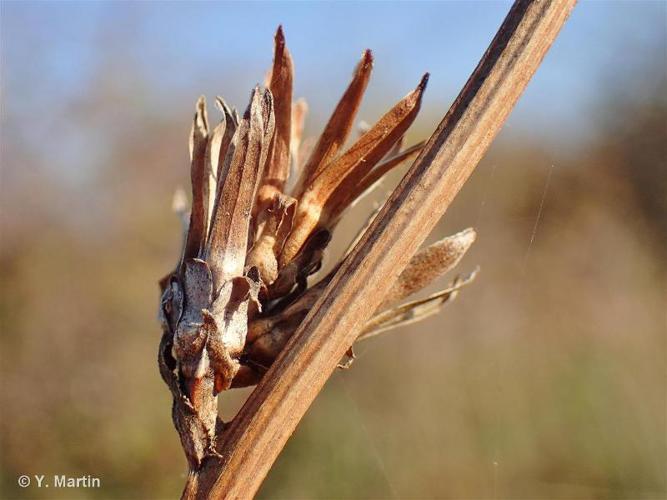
228 240
200 186
322 199
277 170
339 125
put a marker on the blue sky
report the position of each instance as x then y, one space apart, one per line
54 52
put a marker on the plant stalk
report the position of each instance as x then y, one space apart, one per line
253 440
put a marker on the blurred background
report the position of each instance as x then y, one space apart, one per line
545 379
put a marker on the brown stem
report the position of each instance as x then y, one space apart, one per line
258 433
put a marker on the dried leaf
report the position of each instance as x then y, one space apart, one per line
339 125
220 155
339 178
189 338
322 200
269 123
232 116
212 159
373 180
228 239
196 405
367 183
200 187
277 171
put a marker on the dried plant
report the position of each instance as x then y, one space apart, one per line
253 239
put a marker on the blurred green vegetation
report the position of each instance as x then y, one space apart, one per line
545 379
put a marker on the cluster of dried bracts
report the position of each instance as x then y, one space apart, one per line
264 206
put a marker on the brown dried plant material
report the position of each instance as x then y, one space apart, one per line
199 179
241 288
228 239
217 151
429 263
206 302
280 84
349 197
324 199
337 129
268 335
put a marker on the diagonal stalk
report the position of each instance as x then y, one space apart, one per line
256 436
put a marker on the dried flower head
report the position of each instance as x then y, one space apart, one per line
241 287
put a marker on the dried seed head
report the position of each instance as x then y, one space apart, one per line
241 287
